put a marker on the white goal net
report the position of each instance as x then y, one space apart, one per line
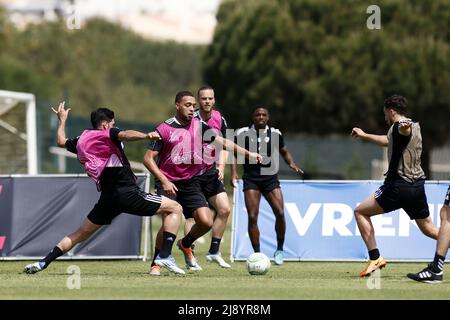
18 149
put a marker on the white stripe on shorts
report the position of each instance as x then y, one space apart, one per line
379 192
153 198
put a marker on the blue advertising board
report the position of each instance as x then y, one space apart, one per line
320 223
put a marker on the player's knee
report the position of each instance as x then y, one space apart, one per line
279 214
203 221
207 224
431 233
177 209
253 220
359 215
172 207
204 226
430 230
81 235
224 213
87 230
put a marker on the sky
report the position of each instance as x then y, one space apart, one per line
191 21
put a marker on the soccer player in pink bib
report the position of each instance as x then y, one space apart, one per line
177 162
100 151
213 178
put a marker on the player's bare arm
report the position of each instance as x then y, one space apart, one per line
230 145
62 117
221 164
234 176
290 160
132 135
151 165
380 140
404 126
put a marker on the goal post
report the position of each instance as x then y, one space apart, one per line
9 100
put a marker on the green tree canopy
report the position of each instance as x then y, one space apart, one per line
320 70
102 64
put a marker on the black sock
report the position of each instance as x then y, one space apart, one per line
215 243
154 257
438 263
374 254
256 247
166 249
52 255
280 243
187 241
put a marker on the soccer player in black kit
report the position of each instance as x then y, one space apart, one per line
262 178
404 183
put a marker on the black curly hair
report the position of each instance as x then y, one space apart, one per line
398 103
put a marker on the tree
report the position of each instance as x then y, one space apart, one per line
320 70
102 64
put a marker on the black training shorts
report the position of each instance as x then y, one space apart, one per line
193 193
265 184
210 183
189 195
130 200
411 197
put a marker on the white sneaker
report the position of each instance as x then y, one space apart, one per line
278 257
194 267
218 259
169 264
33 268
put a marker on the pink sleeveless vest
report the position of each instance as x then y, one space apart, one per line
94 148
209 151
181 155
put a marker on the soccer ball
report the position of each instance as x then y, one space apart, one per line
258 263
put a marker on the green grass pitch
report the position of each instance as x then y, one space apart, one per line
129 279
293 280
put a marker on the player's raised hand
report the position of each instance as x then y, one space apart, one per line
404 126
61 112
405 123
153 136
357 133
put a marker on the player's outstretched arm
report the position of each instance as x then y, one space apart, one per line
290 160
133 135
380 140
62 118
230 145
